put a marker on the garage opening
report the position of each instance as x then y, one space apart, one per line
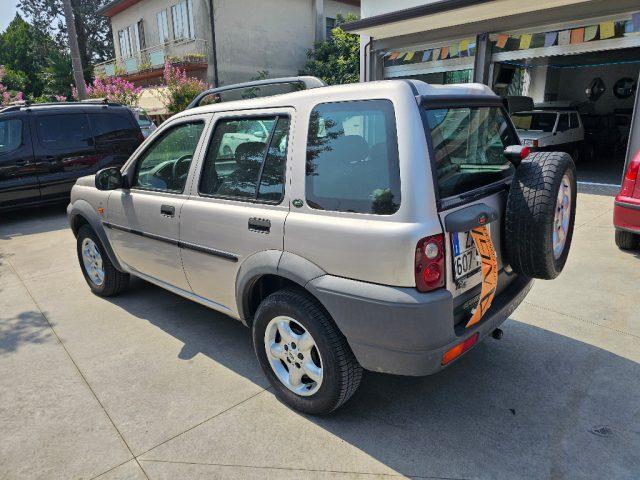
580 103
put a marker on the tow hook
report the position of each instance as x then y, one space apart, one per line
497 334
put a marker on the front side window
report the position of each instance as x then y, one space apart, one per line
165 165
563 122
10 135
246 159
352 158
468 145
65 131
537 121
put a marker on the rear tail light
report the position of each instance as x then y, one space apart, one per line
429 263
457 350
631 176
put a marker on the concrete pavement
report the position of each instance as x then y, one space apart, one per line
149 385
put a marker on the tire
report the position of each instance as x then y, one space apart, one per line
627 240
531 215
113 281
341 372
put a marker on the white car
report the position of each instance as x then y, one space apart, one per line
546 130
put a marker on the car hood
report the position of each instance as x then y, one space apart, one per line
533 134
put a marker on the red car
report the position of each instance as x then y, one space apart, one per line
626 212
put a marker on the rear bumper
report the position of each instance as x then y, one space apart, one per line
626 214
400 330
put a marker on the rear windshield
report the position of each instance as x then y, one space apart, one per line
143 119
468 144
543 122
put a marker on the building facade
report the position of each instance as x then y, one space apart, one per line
248 37
555 51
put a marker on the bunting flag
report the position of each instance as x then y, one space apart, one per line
394 55
607 30
426 56
590 32
550 38
525 41
454 50
464 48
502 40
409 56
564 37
436 54
444 53
577 35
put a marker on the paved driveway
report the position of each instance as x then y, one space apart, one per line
149 385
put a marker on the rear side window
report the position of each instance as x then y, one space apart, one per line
246 159
352 158
10 135
573 120
64 131
563 122
468 145
110 126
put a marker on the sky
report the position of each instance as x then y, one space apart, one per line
7 12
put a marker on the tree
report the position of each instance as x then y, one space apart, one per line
76 61
93 30
337 59
181 89
114 89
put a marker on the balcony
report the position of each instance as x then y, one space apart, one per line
189 54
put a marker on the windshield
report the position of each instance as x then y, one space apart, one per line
143 119
541 121
468 144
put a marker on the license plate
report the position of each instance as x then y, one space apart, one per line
466 260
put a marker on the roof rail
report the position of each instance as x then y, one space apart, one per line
306 81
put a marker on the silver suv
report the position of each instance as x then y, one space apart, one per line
387 226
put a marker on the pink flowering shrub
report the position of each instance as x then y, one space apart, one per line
6 97
60 98
181 89
114 89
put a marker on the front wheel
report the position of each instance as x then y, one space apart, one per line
101 276
303 353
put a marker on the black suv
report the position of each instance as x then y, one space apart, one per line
44 148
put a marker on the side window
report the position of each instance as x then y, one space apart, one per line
10 135
110 127
563 122
65 131
165 164
573 120
352 158
246 159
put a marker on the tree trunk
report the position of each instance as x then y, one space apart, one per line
81 34
76 61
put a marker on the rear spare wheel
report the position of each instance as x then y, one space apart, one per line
540 215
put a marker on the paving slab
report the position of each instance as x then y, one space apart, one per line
128 471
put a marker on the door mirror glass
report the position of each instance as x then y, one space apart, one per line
109 179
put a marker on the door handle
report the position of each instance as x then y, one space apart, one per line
167 210
261 225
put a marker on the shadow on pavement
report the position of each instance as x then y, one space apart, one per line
533 405
25 328
34 220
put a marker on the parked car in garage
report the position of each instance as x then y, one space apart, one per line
44 148
551 130
388 226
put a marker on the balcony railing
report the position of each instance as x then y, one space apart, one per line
186 50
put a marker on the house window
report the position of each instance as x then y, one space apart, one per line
125 42
330 24
163 26
182 14
141 37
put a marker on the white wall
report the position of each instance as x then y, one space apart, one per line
371 8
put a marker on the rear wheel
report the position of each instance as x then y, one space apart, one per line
101 276
540 215
627 240
303 353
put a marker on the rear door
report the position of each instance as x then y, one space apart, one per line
238 204
64 151
470 168
18 174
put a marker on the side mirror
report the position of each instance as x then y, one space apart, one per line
109 179
516 153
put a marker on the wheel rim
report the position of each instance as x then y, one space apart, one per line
92 262
562 217
293 355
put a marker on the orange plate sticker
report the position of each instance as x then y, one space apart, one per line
483 242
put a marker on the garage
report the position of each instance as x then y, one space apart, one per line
568 69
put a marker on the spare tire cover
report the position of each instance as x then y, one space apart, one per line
540 215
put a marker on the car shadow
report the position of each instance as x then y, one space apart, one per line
535 404
33 220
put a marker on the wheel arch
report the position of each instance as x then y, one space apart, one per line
268 271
